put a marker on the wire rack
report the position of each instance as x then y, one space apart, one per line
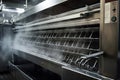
65 45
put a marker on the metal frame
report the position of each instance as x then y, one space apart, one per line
62 24
118 64
109 44
91 7
102 15
64 16
40 7
81 74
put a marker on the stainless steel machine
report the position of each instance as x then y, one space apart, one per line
77 43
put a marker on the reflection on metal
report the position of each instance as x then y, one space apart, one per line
92 55
67 19
93 8
26 3
82 74
81 22
0 1
63 24
66 16
41 6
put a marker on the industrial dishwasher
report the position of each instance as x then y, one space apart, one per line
73 45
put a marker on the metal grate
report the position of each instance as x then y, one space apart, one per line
72 46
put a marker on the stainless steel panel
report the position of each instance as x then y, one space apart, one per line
102 21
92 18
94 7
94 14
109 46
118 62
76 74
41 6
109 41
63 24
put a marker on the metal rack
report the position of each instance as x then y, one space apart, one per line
65 45
68 43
